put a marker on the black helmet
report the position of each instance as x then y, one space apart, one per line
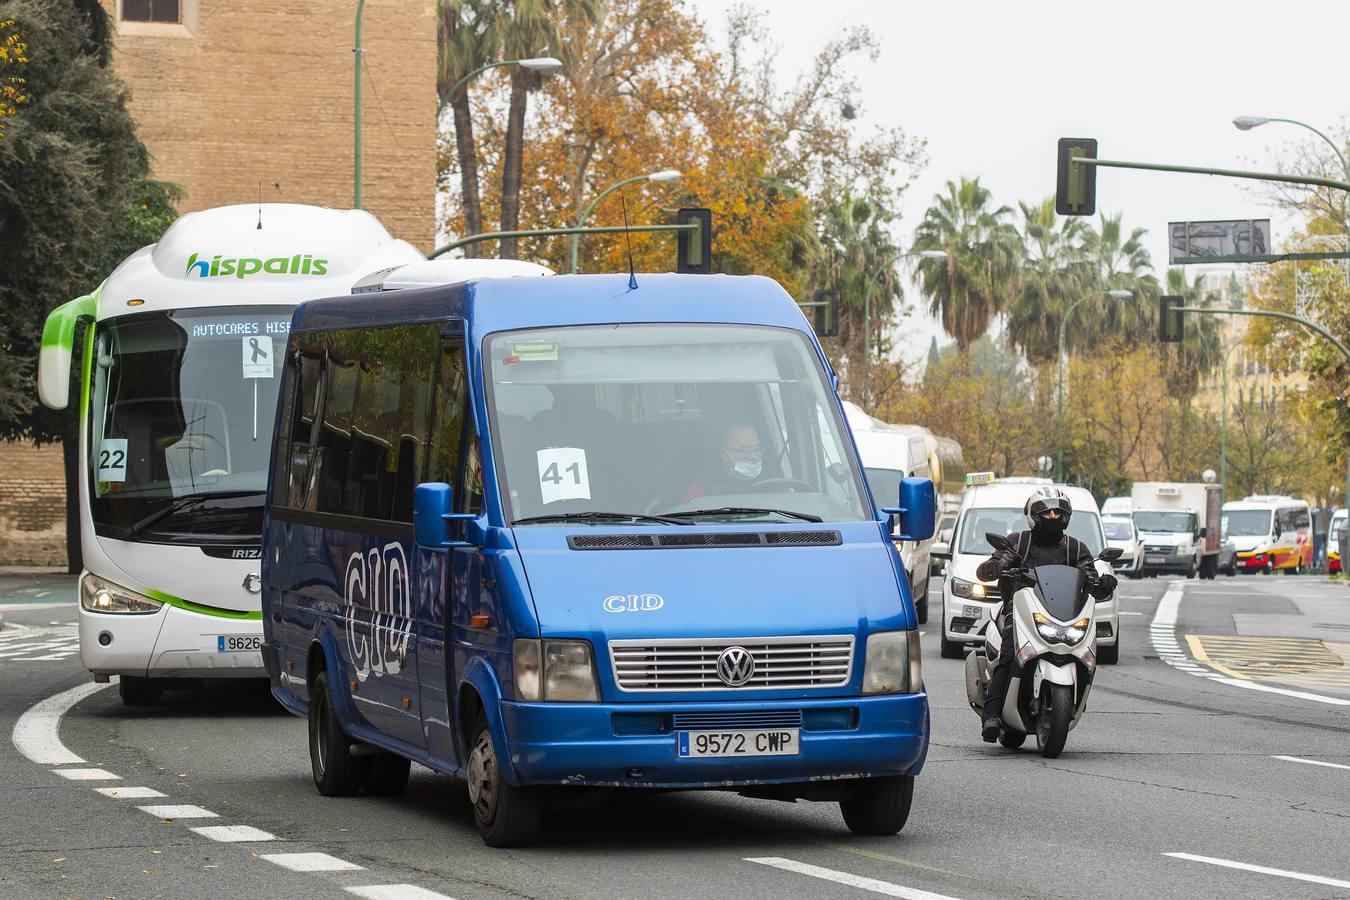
1045 498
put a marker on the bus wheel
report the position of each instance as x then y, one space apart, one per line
506 815
387 776
879 805
336 772
138 691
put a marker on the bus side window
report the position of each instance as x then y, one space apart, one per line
300 415
453 442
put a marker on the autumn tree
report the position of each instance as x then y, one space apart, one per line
13 55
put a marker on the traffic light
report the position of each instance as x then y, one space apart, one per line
1076 186
1171 320
693 249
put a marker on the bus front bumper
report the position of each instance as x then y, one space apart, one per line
636 744
170 643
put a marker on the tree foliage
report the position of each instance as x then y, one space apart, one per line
13 54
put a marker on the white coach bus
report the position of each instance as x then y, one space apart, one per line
177 400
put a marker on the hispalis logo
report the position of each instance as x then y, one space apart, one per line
242 267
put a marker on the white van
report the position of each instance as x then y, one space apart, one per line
967 602
890 453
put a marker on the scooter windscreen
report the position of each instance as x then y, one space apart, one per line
1060 590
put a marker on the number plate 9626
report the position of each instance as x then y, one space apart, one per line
767 742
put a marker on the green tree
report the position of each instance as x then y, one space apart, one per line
979 275
467 38
1118 261
1055 274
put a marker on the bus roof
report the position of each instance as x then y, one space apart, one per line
270 253
505 304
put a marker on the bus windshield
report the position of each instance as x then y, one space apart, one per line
1246 523
181 414
1165 522
978 521
689 423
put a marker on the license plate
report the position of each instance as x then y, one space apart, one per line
971 612
238 643
1158 560
772 742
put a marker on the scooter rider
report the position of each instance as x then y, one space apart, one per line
1044 544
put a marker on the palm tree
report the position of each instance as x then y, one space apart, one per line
467 37
858 259
1055 274
1118 262
528 28
1202 348
979 275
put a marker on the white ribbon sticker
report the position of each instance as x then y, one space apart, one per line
258 356
562 474
112 460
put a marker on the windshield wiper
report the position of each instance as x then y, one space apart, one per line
593 516
182 504
746 511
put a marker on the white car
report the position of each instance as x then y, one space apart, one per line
968 603
1121 532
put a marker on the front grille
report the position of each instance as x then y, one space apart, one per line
769 718
781 663
1158 548
678 540
1103 629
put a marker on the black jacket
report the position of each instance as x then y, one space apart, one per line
1067 551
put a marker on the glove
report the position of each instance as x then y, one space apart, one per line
1006 559
1108 583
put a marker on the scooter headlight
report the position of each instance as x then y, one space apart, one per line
970 590
1056 633
101 596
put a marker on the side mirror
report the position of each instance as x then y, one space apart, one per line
1111 554
1203 532
941 551
58 344
433 505
997 541
917 510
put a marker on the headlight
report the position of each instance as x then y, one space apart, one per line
970 590
562 671
1184 549
1060 634
894 663
97 595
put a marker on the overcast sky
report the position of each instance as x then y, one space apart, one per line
992 84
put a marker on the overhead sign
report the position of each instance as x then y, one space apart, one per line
1200 242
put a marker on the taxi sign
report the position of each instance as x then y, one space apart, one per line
974 478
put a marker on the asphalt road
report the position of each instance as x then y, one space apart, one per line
1179 753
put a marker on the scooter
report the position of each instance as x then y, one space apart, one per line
1055 626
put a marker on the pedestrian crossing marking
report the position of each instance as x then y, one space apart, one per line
1303 660
33 644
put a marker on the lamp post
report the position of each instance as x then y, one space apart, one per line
1223 420
1118 294
542 65
665 176
1247 123
356 113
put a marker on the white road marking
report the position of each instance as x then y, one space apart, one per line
37 734
87 774
48 658
857 881
1162 633
233 834
310 862
1262 870
396 892
183 811
1311 762
130 793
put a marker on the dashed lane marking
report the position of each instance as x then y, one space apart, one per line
178 811
310 862
1262 870
233 834
130 793
396 892
1311 762
846 878
87 774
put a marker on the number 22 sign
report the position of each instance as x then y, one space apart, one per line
563 475
112 460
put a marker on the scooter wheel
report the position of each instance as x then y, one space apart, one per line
1012 739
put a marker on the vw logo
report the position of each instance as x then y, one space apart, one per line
735 666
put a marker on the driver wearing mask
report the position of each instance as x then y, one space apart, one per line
1044 544
740 463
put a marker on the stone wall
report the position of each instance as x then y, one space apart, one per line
32 505
260 92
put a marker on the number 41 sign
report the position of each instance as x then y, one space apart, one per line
563 475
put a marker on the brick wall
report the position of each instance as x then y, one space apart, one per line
261 91
32 505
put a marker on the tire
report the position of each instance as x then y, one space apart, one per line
1109 656
506 816
336 772
1012 739
1053 730
921 609
950 649
138 691
1190 573
387 775
880 806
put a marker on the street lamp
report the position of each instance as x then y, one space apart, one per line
540 65
1117 294
665 176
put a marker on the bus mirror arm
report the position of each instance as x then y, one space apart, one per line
433 521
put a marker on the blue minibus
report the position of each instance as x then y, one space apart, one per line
558 536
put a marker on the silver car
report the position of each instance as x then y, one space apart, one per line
1121 532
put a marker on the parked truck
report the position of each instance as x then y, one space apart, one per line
1180 526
